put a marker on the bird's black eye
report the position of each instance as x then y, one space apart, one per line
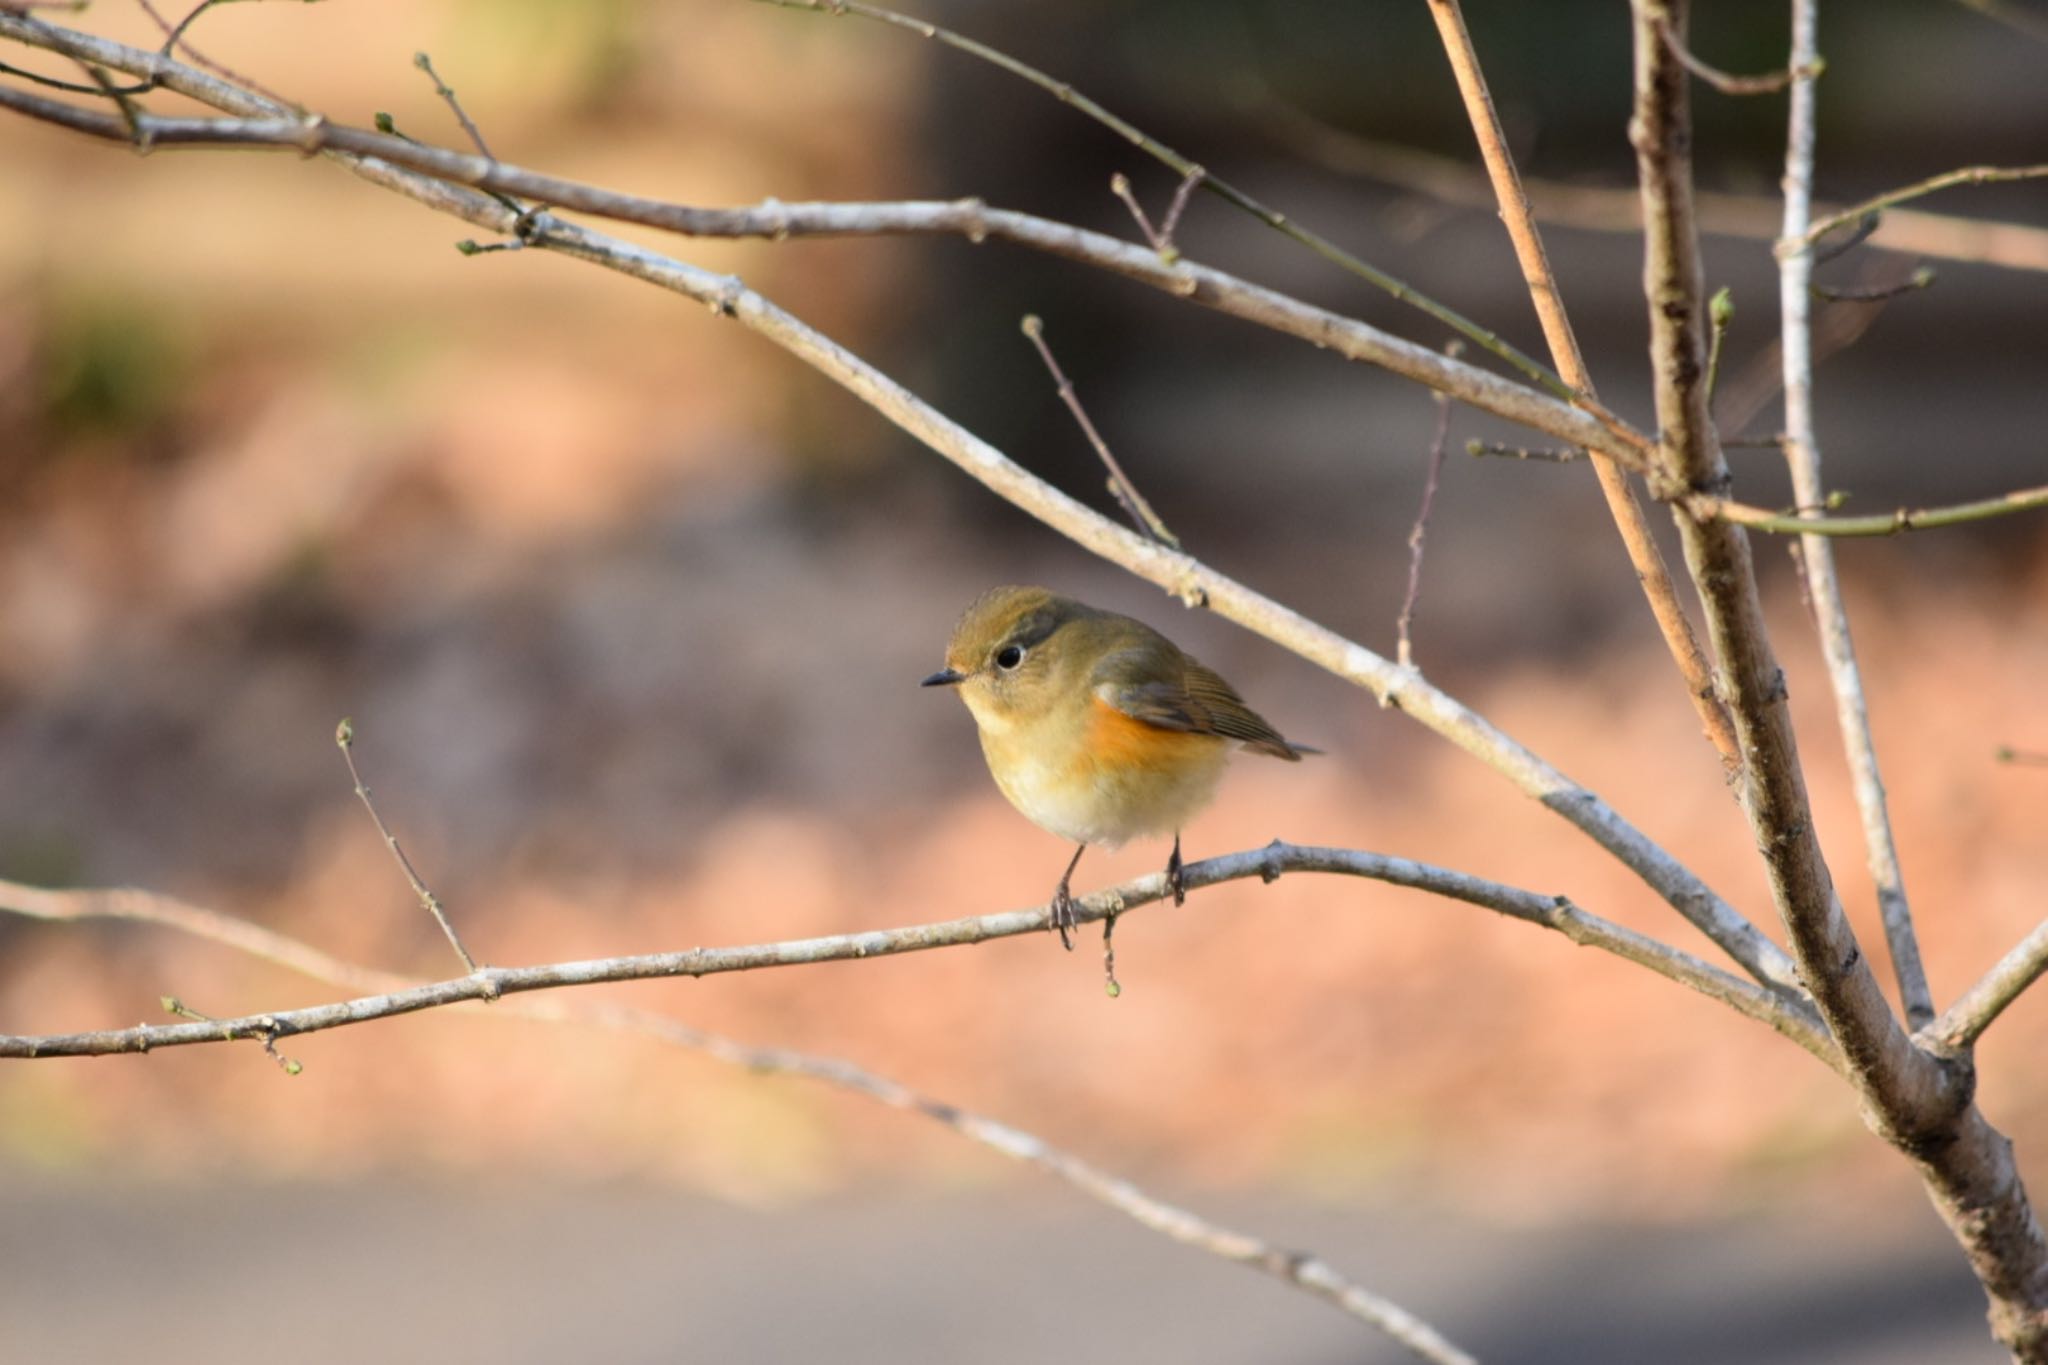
1008 657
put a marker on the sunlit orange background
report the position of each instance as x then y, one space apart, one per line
628 608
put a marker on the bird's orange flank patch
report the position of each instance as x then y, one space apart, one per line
1122 741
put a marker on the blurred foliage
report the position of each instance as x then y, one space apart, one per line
110 367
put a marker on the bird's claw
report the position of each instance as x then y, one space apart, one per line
1064 917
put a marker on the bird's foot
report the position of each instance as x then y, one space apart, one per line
1064 916
1176 880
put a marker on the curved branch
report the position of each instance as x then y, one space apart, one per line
1968 175
1962 1023
385 1000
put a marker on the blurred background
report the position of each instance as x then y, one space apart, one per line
629 607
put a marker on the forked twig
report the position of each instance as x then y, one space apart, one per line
1161 237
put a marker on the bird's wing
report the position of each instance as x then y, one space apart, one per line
1176 693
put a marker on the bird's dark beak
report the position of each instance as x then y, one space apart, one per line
945 677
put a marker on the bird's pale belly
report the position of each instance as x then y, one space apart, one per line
1108 780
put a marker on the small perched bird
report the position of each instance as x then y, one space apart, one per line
1097 727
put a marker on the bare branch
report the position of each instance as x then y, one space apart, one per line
1404 652
1644 556
1962 1023
1824 589
345 740
441 88
1767 84
176 41
1968 175
1919 1102
1773 788
387 999
1120 485
1161 237
1304 1271
1883 523
1176 572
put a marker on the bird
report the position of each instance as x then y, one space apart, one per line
1097 727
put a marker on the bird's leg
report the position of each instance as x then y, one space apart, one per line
1063 902
1175 882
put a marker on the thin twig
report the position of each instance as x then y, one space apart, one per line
389 127
1968 175
1811 525
175 41
1963 1022
1643 551
1404 653
1802 455
2024 758
1305 1271
1126 493
344 739
383 162
1181 194
384 1000
289 1065
1161 238
1767 84
441 88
